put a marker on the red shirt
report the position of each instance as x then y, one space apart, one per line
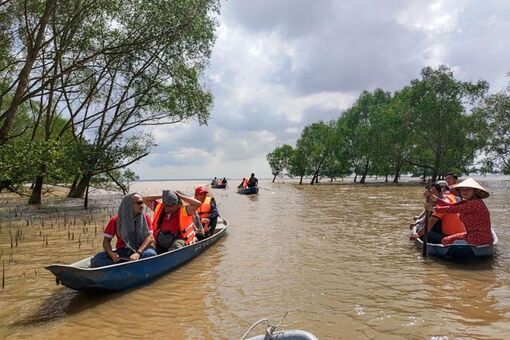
111 230
476 218
170 223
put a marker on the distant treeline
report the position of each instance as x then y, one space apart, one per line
81 81
434 125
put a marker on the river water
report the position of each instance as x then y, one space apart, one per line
335 257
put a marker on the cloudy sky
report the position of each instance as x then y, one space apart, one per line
279 65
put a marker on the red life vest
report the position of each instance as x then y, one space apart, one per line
204 211
245 182
186 225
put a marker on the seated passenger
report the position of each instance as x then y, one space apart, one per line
441 225
473 213
208 212
214 181
224 181
172 221
253 181
133 231
244 183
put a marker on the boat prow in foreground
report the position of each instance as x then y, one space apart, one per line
460 249
125 275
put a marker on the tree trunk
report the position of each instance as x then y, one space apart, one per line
386 180
81 187
274 177
86 201
35 198
24 74
355 178
301 179
362 180
75 182
397 171
424 175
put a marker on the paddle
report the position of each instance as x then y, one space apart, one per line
426 225
266 189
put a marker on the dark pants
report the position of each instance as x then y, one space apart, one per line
102 259
212 226
435 235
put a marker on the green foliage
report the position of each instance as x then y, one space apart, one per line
434 125
279 159
496 111
446 133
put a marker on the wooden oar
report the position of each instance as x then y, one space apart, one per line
266 189
426 226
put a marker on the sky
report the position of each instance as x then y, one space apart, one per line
279 65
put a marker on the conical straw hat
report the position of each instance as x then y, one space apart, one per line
471 183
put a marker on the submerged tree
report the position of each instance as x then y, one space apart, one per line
496 110
446 133
110 69
279 159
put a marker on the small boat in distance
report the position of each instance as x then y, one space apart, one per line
120 276
460 249
248 191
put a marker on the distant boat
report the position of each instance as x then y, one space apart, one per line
248 191
125 275
460 249
219 186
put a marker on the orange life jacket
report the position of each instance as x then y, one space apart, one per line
204 211
451 223
186 225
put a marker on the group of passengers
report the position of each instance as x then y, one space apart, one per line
251 182
457 212
177 221
218 181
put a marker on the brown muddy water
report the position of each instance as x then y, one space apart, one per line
336 257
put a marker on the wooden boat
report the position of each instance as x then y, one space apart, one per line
248 191
219 186
460 249
125 275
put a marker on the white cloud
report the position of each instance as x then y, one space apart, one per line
278 66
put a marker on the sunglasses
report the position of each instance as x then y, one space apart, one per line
138 202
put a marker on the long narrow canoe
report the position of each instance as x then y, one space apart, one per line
248 191
125 275
460 249
219 186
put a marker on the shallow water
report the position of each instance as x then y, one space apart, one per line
336 257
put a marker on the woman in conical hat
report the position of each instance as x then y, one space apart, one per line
473 213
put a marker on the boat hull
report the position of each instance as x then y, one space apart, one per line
460 249
126 275
218 186
248 191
